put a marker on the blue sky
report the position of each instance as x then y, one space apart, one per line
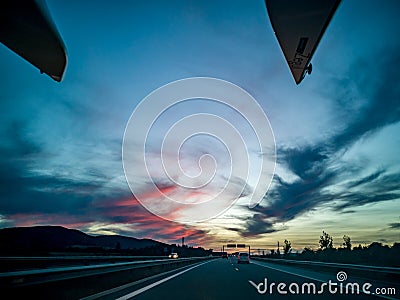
336 133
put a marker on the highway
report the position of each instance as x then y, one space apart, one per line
225 279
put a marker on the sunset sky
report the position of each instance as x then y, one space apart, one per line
337 133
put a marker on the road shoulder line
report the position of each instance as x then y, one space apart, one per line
143 289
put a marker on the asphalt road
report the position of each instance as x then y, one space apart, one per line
225 279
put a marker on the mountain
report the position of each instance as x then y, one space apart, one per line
56 238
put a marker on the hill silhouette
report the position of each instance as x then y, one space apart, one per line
58 238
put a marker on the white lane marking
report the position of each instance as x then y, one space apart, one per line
284 271
128 285
300 275
143 289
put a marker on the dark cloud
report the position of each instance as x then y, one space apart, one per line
382 108
299 196
133 217
23 189
258 225
378 188
394 225
307 163
84 199
365 180
318 167
348 212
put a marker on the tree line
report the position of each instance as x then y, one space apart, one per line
373 254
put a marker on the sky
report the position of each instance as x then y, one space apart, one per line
336 134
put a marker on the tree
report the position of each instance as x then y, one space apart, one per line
325 241
287 247
347 242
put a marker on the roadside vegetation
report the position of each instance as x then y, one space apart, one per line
373 254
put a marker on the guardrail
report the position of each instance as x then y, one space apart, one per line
16 263
79 281
387 274
392 270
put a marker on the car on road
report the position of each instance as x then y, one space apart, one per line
173 255
224 255
243 257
